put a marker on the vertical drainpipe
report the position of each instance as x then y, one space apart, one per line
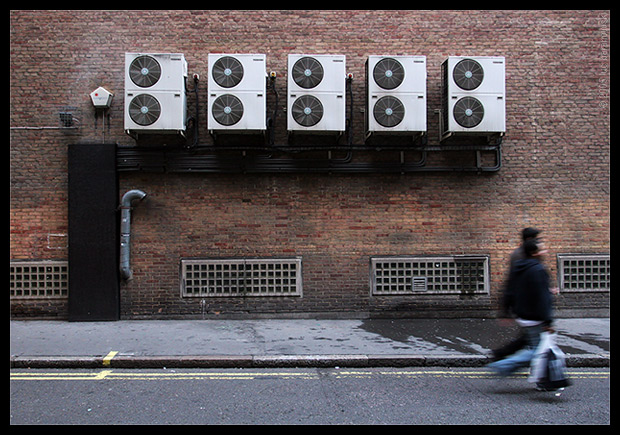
126 272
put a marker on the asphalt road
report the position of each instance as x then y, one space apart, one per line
303 396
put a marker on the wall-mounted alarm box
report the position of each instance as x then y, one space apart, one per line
101 98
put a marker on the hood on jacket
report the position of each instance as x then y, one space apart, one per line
525 264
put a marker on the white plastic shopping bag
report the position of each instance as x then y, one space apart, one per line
537 366
548 368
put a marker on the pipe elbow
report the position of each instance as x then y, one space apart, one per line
131 195
126 273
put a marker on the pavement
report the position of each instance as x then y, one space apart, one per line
223 343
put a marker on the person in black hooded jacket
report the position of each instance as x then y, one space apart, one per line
507 299
532 301
531 304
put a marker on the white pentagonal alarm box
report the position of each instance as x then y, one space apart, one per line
101 98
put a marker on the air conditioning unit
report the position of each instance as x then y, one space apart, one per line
396 94
155 99
316 93
473 96
237 99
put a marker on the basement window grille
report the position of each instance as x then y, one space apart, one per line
458 274
241 277
584 272
39 279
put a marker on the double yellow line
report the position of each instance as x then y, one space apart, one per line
249 375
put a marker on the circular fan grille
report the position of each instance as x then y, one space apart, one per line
389 111
307 110
307 72
468 112
144 109
227 109
144 71
468 74
227 72
388 73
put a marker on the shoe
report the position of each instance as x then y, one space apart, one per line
558 385
540 387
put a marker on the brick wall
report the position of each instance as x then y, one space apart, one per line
555 173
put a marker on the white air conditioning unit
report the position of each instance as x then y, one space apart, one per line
316 93
237 98
155 99
473 96
396 94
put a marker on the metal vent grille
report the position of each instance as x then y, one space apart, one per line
39 279
241 277
584 272
430 275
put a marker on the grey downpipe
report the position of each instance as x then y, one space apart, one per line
128 197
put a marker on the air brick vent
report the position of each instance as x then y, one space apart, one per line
39 279
241 277
584 272
430 275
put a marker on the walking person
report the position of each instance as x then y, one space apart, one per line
532 306
507 299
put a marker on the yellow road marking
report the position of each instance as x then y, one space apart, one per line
116 375
108 357
102 374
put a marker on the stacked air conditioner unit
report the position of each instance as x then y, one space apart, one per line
473 96
316 93
155 99
237 100
396 94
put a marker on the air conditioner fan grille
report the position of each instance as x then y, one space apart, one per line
227 72
144 71
468 112
468 74
388 73
389 111
227 109
144 109
307 110
307 72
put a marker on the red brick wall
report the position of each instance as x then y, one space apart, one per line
555 173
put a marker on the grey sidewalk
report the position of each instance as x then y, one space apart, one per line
223 343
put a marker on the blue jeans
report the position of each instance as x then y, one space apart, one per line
521 358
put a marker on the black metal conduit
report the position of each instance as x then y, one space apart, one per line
205 158
210 159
